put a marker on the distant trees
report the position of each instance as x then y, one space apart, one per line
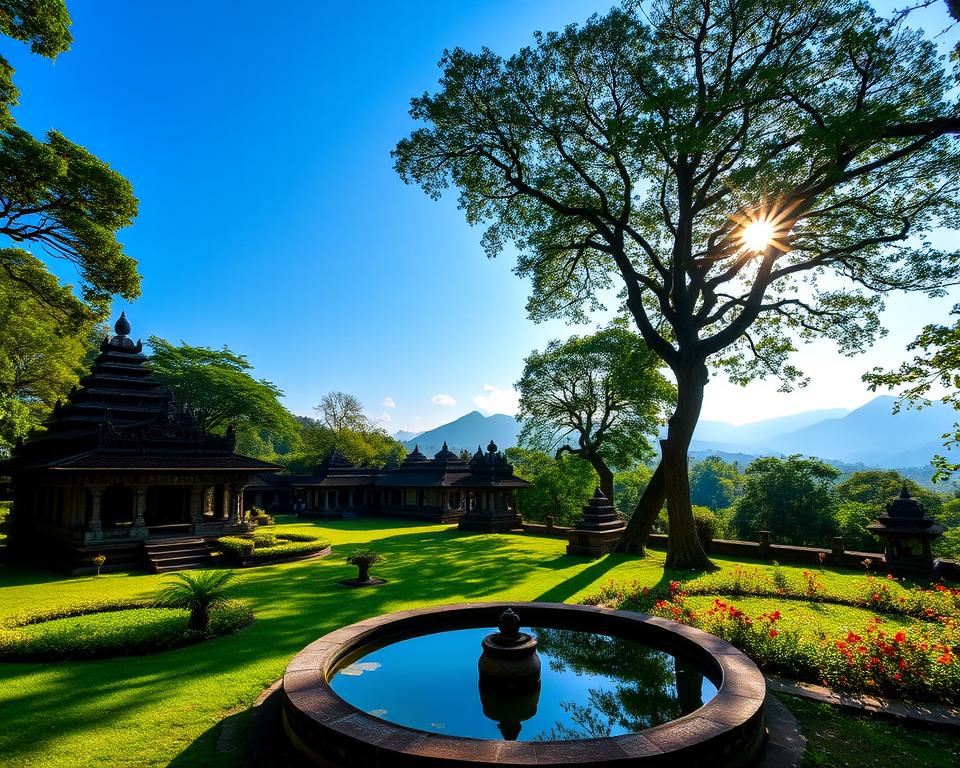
599 397
792 498
628 487
343 427
561 486
219 388
714 483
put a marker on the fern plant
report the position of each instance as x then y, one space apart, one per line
198 592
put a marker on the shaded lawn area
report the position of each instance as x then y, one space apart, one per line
837 739
151 710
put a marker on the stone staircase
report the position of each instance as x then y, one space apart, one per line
177 554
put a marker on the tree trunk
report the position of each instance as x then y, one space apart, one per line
634 539
605 475
199 617
684 549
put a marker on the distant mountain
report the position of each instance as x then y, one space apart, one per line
872 435
468 432
403 435
754 432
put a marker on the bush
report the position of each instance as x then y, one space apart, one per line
93 631
291 548
705 523
264 539
235 547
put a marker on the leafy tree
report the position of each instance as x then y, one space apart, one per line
370 447
198 592
851 521
40 358
599 397
875 487
714 483
218 386
628 488
747 172
53 193
340 411
936 366
792 498
561 486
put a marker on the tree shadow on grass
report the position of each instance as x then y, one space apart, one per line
565 589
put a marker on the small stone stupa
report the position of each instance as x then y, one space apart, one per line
906 532
597 532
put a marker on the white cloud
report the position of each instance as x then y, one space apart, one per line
388 403
496 400
385 418
446 400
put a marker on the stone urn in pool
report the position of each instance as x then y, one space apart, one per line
556 684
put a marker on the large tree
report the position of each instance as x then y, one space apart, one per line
561 486
54 194
747 172
218 386
599 397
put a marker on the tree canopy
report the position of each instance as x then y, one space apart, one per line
714 483
54 194
599 397
561 486
218 386
750 173
792 498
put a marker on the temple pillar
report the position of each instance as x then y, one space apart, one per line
197 501
139 527
95 527
225 515
236 489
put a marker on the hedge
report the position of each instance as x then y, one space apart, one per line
86 632
268 546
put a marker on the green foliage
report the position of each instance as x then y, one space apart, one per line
852 519
705 523
714 483
266 546
218 386
341 410
128 631
878 486
365 558
41 355
198 592
369 447
628 487
792 498
595 396
561 487
935 367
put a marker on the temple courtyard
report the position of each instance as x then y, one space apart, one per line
192 706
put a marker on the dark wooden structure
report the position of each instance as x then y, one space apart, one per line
120 465
444 489
907 532
598 530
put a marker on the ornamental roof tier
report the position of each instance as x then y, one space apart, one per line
121 417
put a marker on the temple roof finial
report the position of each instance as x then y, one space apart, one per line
122 326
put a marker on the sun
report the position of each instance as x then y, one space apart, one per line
757 236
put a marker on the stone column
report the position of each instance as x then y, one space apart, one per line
226 502
197 500
95 527
236 490
139 510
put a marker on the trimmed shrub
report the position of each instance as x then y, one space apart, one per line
705 523
116 629
264 539
236 547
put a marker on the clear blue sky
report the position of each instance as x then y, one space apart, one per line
257 138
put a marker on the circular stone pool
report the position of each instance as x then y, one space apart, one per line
615 687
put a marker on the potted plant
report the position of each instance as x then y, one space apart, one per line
364 559
99 560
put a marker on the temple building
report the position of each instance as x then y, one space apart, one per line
443 489
121 465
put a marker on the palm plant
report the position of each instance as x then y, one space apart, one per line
198 592
364 559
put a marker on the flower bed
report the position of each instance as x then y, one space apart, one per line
918 661
264 547
106 629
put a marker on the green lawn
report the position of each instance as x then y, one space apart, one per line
151 710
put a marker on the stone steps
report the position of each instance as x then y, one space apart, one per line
177 555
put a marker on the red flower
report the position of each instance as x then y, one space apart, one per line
773 633
899 637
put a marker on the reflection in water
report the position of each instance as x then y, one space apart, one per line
652 687
591 686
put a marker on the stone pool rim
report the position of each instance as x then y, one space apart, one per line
728 730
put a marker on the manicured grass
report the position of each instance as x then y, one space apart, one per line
167 708
838 739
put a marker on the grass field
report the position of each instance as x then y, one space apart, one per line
166 708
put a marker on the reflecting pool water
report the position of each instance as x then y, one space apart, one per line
591 686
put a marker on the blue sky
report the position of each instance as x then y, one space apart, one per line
271 219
